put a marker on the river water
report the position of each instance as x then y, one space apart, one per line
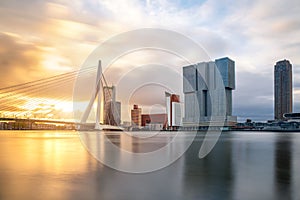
242 165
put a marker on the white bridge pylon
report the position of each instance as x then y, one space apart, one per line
96 94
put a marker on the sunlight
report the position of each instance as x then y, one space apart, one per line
65 106
46 108
56 63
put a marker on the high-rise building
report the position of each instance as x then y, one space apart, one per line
112 113
112 108
207 88
283 89
109 93
136 116
173 110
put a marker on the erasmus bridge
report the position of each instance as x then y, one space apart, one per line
36 102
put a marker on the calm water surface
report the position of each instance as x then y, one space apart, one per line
243 165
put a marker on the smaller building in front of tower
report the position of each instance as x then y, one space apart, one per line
112 108
112 113
136 116
173 108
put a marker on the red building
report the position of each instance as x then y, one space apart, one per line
173 110
136 116
155 119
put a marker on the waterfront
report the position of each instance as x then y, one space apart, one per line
243 165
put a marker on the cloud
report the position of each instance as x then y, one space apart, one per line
255 34
19 62
253 95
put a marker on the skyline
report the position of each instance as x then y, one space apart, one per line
46 38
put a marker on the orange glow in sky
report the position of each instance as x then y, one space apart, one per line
40 39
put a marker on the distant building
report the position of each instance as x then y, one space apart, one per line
207 101
173 110
283 89
156 120
112 108
136 116
112 113
126 125
109 95
292 117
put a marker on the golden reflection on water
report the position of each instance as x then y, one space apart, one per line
53 157
55 165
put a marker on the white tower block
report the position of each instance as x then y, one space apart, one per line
96 93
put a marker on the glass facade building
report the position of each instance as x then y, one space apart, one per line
207 88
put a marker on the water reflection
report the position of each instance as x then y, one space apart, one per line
55 165
283 166
42 165
210 177
129 153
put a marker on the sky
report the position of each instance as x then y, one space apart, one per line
39 39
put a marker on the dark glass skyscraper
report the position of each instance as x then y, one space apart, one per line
283 89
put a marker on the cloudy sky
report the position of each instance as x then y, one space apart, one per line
39 39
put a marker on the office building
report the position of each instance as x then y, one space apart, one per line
207 88
136 116
109 93
283 89
173 108
111 107
112 113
